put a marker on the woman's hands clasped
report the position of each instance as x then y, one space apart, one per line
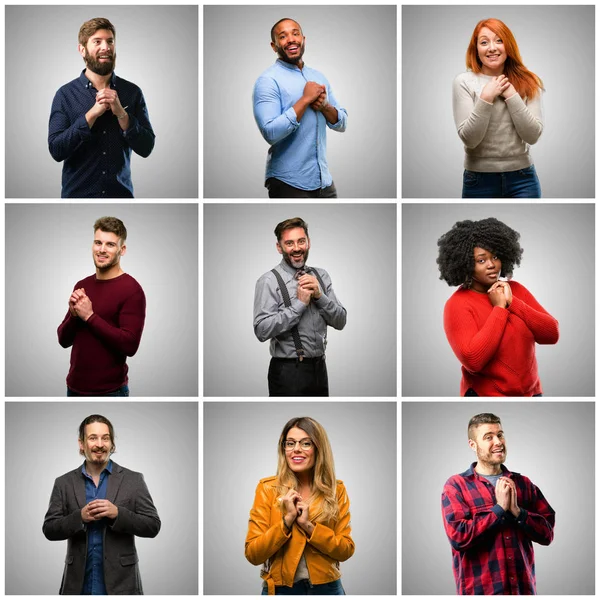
500 294
295 509
497 86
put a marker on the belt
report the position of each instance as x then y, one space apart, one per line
305 359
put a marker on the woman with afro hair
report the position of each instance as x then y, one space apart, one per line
497 107
492 325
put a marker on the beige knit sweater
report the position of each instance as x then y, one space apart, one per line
496 136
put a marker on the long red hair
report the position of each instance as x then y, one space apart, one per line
526 83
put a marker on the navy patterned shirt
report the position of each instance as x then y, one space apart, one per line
93 583
97 160
492 550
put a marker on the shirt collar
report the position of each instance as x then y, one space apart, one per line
86 83
474 473
107 468
288 66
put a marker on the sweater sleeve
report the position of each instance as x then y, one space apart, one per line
543 325
67 330
127 336
527 118
263 539
473 347
337 542
471 120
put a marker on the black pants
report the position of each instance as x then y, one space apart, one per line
291 377
472 392
279 189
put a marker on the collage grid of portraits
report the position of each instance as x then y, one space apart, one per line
199 424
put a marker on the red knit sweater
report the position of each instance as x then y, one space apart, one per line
102 343
496 346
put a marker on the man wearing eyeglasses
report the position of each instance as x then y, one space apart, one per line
293 305
492 516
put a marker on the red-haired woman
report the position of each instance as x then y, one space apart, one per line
497 108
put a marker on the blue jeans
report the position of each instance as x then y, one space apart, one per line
122 391
523 183
305 588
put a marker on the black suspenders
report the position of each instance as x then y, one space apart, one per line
286 300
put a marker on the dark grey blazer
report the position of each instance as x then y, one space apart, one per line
137 516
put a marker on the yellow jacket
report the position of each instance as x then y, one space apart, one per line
268 542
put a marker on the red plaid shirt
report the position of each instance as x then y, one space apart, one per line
492 551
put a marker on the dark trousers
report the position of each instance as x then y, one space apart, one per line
292 377
472 392
122 391
305 588
279 189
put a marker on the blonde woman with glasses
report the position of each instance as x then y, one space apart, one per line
299 526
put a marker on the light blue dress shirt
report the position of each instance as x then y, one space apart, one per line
297 155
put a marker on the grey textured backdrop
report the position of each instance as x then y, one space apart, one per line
157 49
557 268
158 439
354 243
552 443
240 448
556 43
358 57
49 249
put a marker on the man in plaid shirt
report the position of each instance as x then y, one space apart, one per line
492 516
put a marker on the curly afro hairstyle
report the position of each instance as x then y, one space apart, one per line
455 259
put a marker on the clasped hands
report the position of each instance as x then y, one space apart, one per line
80 305
308 288
108 99
498 86
500 294
295 509
98 509
316 93
506 495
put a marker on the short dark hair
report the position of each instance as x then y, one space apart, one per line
290 224
97 419
89 28
481 419
455 259
112 225
281 21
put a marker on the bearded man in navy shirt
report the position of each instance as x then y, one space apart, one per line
97 120
293 107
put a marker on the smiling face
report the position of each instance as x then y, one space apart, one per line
299 450
489 445
487 269
294 246
99 53
107 250
97 445
289 42
491 52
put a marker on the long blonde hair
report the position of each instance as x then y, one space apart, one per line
323 501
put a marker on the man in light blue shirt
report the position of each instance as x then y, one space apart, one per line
293 106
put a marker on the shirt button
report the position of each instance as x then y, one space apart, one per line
104 132
104 173
103 192
507 537
104 153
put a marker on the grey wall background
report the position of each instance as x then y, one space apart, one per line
240 448
557 268
556 43
49 249
355 243
158 439
552 443
157 49
358 57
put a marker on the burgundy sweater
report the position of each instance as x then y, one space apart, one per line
102 343
496 346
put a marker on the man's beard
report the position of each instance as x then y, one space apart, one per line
107 265
285 58
298 265
100 68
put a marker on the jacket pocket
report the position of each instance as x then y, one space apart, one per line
128 560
